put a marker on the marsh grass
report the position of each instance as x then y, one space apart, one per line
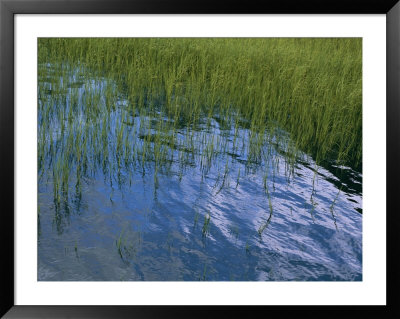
206 226
109 107
332 210
311 87
129 243
196 218
204 273
120 244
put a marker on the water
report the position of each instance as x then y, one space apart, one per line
191 221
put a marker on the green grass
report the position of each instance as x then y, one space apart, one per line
199 102
265 225
206 226
311 87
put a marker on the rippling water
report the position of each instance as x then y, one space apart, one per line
192 226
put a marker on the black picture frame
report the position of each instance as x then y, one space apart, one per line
8 8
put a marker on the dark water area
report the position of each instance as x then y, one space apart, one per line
184 220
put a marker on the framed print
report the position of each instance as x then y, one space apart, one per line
159 155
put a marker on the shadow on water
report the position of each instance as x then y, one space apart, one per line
129 189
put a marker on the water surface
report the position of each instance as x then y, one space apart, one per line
233 215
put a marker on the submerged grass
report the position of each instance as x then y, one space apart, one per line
311 87
206 226
162 105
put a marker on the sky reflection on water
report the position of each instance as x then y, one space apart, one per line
136 230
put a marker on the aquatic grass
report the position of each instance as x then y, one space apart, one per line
206 226
237 178
313 206
226 171
265 225
335 199
311 87
120 244
164 106
128 244
204 273
331 208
